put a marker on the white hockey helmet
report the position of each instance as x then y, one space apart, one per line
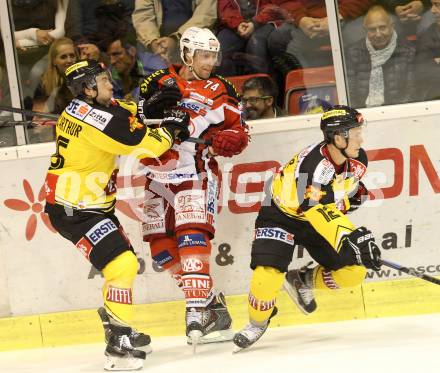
196 38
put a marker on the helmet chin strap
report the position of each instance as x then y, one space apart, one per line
194 73
342 150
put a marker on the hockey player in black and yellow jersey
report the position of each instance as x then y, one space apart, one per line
81 194
310 197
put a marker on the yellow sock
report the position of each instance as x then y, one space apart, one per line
117 291
265 285
348 276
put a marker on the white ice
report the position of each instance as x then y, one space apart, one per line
403 344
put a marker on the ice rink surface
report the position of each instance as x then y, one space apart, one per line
404 344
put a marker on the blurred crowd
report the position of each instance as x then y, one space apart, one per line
262 42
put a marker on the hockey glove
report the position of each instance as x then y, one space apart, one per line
229 142
358 198
153 107
360 245
176 122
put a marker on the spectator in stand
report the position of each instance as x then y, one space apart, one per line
380 69
428 58
159 24
52 94
409 16
37 24
259 99
90 17
88 50
129 67
244 29
303 40
96 22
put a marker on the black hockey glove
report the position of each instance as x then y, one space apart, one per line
176 122
153 107
358 198
360 245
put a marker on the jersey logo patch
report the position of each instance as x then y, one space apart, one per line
191 240
193 107
84 247
78 109
324 172
357 169
98 118
274 233
101 230
162 258
119 295
200 98
192 265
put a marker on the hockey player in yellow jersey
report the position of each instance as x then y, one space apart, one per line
81 194
310 197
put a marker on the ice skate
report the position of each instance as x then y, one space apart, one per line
251 333
299 285
139 341
119 353
217 322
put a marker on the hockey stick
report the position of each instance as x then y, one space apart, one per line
55 117
410 271
13 123
28 112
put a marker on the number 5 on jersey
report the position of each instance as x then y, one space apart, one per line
57 160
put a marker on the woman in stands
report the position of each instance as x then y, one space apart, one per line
52 94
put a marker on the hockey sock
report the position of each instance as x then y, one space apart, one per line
164 252
347 276
265 285
117 291
195 251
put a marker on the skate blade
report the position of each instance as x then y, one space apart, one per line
236 349
216 337
292 295
195 336
115 363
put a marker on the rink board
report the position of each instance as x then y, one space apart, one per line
43 274
371 300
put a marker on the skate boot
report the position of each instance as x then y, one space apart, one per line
119 353
217 322
139 341
299 286
251 333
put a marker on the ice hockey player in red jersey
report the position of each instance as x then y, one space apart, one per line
182 187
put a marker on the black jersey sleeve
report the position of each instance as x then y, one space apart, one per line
151 83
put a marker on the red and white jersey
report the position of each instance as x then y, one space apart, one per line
213 105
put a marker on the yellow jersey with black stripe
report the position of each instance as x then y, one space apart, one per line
89 138
312 188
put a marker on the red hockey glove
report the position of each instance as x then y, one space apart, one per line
229 142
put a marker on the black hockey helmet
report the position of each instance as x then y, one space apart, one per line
338 119
83 75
